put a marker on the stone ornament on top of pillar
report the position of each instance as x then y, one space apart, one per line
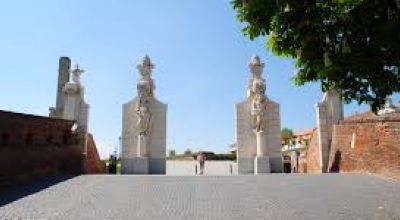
258 126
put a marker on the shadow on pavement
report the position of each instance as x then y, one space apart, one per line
12 193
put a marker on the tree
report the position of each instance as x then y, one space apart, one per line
187 152
172 153
351 46
286 135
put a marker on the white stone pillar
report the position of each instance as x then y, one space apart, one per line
142 146
261 161
261 143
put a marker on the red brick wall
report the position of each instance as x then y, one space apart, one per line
311 163
93 162
33 146
376 148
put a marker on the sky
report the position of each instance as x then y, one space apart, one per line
200 54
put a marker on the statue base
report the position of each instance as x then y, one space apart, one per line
140 165
261 165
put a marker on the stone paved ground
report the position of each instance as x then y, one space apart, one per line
274 196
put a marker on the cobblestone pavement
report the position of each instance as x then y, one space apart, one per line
274 196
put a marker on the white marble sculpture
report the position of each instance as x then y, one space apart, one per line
76 75
258 127
75 107
144 128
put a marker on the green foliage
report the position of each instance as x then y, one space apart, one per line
187 152
286 135
172 153
352 46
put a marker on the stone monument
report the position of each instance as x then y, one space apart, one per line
75 107
258 127
70 102
144 128
71 105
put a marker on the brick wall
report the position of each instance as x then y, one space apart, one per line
366 144
93 162
309 161
32 146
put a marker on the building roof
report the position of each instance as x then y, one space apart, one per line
308 131
369 116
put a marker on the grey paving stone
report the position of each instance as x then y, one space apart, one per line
274 196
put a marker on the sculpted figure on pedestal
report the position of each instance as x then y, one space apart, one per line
143 113
256 93
145 89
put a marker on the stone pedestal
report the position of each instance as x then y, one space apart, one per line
140 165
261 165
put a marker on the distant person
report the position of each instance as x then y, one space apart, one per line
201 158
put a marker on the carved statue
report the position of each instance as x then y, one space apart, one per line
145 89
256 93
144 115
76 75
257 111
145 69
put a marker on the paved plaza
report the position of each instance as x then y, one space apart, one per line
271 196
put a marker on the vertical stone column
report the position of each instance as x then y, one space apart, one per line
142 146
261 161
64 68
261 143
141 161
329 113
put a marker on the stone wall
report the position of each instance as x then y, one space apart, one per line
366 143
32 146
